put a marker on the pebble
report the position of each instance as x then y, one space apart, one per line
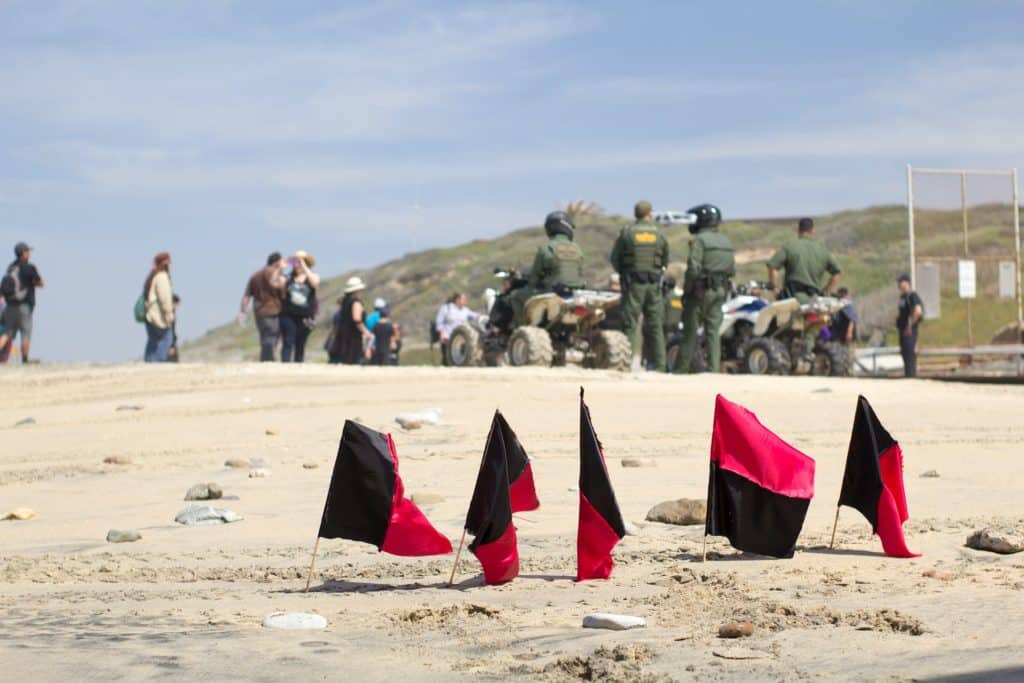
259 462
19 514
573 489
309 465
238 463
613 622
198 515
930 474
209 491
408 424
822 390
259 473
939 574
995 541
128 408
26 421
270 432
736 629
427 498
293 621
682 512
631 529
117 460
638 462
740 653
128 536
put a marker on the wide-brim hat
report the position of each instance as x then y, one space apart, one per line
310 261
354 284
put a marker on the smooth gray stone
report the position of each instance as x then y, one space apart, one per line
126 536
612 622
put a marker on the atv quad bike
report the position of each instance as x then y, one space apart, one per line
785 340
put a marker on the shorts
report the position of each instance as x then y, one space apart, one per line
18 318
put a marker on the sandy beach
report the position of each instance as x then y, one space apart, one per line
189 601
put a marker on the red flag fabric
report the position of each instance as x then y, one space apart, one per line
600 521
366 499
520 473
489 518
759 487
873 480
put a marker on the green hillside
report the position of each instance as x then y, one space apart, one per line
871 245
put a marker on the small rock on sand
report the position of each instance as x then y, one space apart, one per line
128 408
26 421
117 460
238 463
127 536
19 515
293 621
613 622
939 574
740 653
427 498
259 473
200 515
259 462
930 474
682 512
736 629
270 432
995 541
631 529
309 465
208 491
408 424
638 462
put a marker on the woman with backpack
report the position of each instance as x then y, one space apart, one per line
159 297
298 314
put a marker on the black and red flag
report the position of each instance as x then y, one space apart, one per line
366 501
760 486
490 513
873 481
600 525
520 474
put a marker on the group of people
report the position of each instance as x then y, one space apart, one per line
358 337
284 305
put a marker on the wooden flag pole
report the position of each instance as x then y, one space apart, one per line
834 525
451 579
316 547
704 552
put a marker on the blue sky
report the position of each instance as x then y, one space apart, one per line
222 130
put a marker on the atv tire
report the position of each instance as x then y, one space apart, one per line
530 345
831 359
612 351
764 356
464 348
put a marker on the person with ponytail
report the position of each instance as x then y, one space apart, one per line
159 310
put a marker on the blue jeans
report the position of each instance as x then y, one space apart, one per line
269 329
294 334
158 343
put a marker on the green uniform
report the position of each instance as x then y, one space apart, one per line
639 256
709 266
673 309
806 260
559 262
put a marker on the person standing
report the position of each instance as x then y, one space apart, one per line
911 310
712 261
805 260
18 289
385 339
844 323
298 312
265 289
640 255
159 310
351 337
451 315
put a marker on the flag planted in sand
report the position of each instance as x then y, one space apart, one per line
600 521
759 487
873 481
366 500
522 491
490 513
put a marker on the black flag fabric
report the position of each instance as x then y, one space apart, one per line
490 513
366 500
520 474
600 521
759 487
873 480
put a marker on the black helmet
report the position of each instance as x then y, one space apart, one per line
705 216
559 223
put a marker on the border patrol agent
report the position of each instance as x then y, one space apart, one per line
712 261
557 266
806 260
640 256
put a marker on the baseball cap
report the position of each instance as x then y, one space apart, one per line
20 248
379 303
903 277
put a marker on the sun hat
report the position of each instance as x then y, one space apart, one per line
354 284
310 261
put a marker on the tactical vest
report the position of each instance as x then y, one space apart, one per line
719 255
641 251
569 257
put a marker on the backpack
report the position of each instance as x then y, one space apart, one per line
141 306
11 286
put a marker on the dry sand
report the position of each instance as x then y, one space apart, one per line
189 601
